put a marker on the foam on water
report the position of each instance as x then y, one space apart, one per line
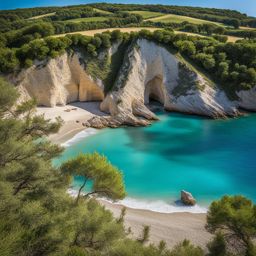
154 206
83 134
159 206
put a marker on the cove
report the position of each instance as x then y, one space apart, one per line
209 158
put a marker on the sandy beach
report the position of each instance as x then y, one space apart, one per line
73 115
171 227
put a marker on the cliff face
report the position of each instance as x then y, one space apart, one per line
149 71
247 99
58 82
152 72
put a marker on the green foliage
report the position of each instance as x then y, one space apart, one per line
8 60
29 33
28 225
98 232
235 216
8 97
24 40
186 47
107 179
115 63
217 247
185 248
37 217
145 235
207 60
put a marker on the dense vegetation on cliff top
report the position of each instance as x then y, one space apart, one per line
231 65
118 15
26 35
38 217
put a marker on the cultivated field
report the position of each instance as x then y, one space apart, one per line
95 31
147 14
231 39
89 19
101 11
178 19
247 28
136 29
42 16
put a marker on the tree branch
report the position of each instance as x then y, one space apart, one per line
80 190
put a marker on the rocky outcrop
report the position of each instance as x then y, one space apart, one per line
187 198
57 82
247 99
152 72
149 71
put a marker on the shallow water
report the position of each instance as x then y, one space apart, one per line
209 158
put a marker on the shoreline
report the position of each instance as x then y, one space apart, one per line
172 227
73 116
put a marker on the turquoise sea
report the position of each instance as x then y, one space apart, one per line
209 158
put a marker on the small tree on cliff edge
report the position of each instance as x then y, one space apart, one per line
235 217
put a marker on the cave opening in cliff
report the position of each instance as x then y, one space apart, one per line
154 91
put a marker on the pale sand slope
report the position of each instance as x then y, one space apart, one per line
73 115
170 227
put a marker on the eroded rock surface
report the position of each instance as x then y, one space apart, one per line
57 82
152 72
149 71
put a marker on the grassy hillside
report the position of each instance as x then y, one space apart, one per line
89 19
102 11
169 18
98 31
148 14
43 15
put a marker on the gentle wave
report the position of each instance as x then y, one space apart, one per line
83 134
160 206
154 206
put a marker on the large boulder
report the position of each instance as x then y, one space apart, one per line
187 198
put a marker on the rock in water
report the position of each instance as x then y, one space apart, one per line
187 198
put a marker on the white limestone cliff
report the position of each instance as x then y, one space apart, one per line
247 99
149 71
57 82
153 72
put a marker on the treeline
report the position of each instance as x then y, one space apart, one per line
61 24
26 13
233 65
39 29
38 217
228 17
75 12
120 20
247 34
210 29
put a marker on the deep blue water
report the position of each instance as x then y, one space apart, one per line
245 6
207 157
